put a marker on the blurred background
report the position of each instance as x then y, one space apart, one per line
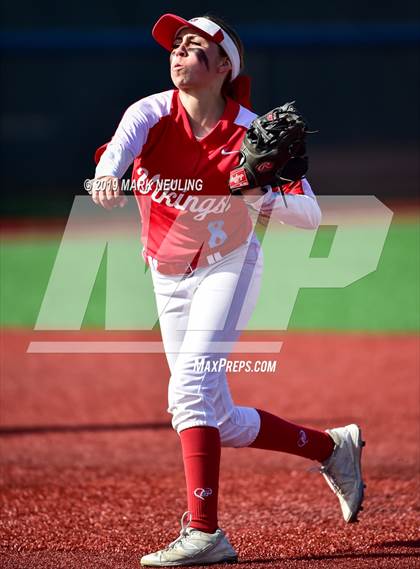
69 72
89 460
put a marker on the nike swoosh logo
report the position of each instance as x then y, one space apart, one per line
225 152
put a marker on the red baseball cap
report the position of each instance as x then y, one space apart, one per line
166 28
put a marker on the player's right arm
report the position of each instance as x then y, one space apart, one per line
119 154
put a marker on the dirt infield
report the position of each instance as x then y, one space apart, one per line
92 474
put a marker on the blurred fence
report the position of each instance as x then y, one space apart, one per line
65 89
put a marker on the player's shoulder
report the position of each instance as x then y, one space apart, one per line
154 106
244 117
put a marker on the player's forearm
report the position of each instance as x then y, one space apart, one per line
115 161
293 209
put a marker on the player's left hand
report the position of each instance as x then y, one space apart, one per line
273 150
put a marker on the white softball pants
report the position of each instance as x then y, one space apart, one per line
201 316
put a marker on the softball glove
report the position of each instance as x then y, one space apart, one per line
273 150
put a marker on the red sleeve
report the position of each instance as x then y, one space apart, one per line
291 188
99 152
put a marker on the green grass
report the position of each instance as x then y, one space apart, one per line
386 300
25 267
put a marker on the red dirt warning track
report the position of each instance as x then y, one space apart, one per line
92 475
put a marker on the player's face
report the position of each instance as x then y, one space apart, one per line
196 61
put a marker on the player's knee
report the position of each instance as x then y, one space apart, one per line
179 398
189 397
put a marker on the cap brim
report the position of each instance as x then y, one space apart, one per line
166 27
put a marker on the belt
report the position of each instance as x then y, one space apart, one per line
185 268
170 268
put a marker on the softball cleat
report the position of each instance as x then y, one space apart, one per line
193 547
343 471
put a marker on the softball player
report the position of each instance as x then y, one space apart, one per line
206 266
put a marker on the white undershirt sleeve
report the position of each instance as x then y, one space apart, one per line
126 144
299 210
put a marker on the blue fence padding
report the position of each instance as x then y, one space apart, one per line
259 36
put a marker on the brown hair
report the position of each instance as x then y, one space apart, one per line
231 32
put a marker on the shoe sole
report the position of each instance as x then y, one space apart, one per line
227 560
359 444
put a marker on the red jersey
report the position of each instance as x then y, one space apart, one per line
181 182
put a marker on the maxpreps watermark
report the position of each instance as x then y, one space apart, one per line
360 223
234 366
